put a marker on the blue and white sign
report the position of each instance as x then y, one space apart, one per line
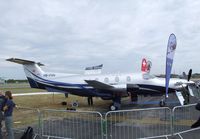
171 47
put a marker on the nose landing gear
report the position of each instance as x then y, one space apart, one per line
162 103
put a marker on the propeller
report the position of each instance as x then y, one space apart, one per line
189 74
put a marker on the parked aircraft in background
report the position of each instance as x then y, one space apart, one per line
106 86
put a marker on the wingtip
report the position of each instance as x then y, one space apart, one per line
10 59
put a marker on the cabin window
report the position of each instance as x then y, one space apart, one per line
96 79
117 79
128 78
106 80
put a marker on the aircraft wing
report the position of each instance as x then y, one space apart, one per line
98 85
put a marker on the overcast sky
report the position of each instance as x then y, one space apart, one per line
68 35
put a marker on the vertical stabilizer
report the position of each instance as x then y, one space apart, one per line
31 69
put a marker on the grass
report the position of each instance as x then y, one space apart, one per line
19 88
24 117
22 90
48 101
54 102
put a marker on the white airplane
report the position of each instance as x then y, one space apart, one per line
106 86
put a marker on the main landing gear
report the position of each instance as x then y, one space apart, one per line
115 106
116 103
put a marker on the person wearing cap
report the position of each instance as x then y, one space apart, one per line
2 104
8 110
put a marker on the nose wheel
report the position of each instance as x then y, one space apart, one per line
113 108
116 103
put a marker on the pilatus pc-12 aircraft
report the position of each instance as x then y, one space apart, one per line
107 86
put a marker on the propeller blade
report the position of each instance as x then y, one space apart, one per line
189 74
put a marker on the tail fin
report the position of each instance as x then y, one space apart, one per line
31 68
146 65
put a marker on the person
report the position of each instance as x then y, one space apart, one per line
90 101
8 110
2 103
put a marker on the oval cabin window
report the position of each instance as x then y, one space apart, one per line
96 79
117 79
128 78
106 80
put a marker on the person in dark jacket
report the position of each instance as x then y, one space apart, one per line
2 104
8 110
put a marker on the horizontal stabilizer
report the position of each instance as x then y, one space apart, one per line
180 97
23 61
94 69
98 85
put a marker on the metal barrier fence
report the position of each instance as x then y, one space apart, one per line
71 124
191 133
138 123
24 117
184 117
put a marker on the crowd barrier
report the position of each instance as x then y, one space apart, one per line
24 117
71 124
129 124
139 123
184 117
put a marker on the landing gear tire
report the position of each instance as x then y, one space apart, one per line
162 103
113 108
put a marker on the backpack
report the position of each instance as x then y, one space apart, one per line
28 133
